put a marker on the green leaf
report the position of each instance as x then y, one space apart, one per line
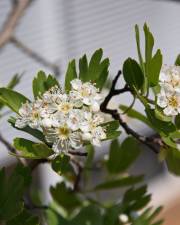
177 121
61 165
83 67
122 182
70 75
25 218
34 132
177 62
135 115
162 127
42 83
133 74
160 115
111 215
90 215
147 217
122 156
96 71
169 141
136 198
65 197
12 99
103 74
54 218
94 64
32 150
14 81
173 161
154 67
11 191
138 47
149 43
111 129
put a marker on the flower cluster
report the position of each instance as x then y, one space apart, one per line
169 96
67 120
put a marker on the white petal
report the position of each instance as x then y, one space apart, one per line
96 142
87 101
87 136
164 77
76 84
162 101
170 111
21 122
95 106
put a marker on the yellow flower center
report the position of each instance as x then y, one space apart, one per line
35 114
63 132
173 102
65 107
175 82
84 92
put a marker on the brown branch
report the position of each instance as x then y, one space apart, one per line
12 20
78 176
78 153
7 144
35 56
7 35
33 164
148 141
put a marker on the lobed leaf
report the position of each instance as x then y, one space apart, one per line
32 150
122 156
70 75
43 83
65 197
11 191
122 182
12 99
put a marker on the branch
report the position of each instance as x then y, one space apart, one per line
148 141
35 56
12 20
33 164
78 177
7 144
78 153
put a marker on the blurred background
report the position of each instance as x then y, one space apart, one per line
47 34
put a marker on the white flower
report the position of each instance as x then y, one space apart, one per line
87 93
29 114
60 104
90 121
170 76
98 134
74 119
63 138
169 96
170 103
91 130
76 84
68 120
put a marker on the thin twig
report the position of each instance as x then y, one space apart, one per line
10 24
7 144
148 141
35 56
33 164
78 176
78 153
